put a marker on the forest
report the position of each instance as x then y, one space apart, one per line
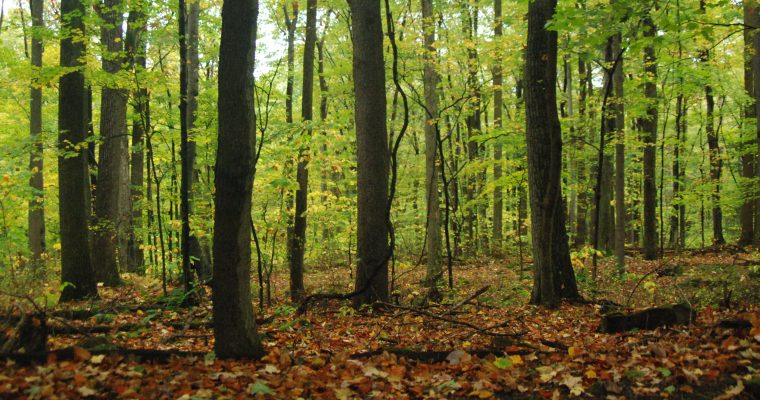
388 199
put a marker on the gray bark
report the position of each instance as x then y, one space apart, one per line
649 137
430 78
372 152
73 188
544 145
112 210
234 320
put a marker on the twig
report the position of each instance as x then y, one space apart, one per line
484 331
468 299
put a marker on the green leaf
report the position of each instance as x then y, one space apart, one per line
259 388
502 362
665 372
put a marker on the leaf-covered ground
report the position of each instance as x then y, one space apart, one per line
494 346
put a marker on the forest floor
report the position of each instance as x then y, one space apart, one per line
492 346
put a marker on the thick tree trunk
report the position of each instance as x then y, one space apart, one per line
649 137
297 241
112 210
234 320
544 144
430 78
37 203
372 152
77 274
136 49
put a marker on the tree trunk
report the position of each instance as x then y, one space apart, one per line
234 320
37 203
746 214
582 208
675 239
649 137
498 82
619 132
756 97
136 49
77 274
112 210
544 145
297 240
430 78
372 152
716 164
475 213
193 258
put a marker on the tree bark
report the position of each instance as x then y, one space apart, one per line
544 145
372 152
73 190
234 320
619 132
37 203
716 163
649 137
430 78
112 210
581 218
756 97
136 49
297 241
747 211
498 103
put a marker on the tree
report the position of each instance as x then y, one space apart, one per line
112 199
372 153
544 145
297 241
746 216
192 253
234 320
37 203
648 126
619 132
498 104
136 48
73 188
756 98
716 164
430 78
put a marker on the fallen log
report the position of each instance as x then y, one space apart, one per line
76 353
651 318
55 330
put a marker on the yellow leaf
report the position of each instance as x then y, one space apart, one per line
572 351
482 394
591 374
516 359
